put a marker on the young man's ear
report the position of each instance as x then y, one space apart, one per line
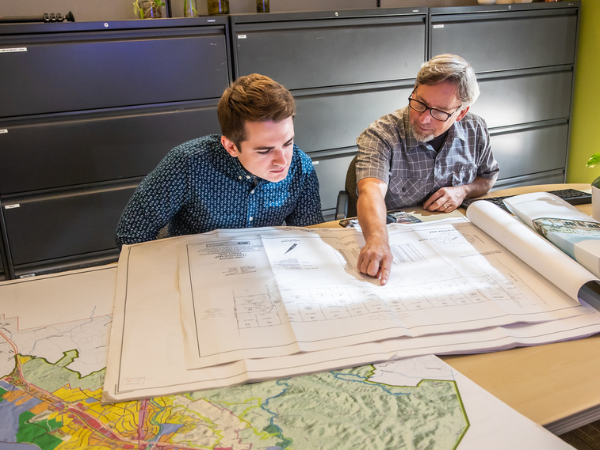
230 146
462 113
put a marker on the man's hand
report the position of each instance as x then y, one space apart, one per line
446 199
375 259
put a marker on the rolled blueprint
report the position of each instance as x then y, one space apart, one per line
565 273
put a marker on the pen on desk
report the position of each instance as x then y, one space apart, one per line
291 248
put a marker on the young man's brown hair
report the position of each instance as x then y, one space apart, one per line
252 98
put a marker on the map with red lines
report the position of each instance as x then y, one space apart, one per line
51 385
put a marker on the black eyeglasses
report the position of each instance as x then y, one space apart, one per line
437 114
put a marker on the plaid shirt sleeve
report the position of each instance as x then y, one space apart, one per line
487 166
375 147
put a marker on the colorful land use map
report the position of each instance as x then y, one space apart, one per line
52 374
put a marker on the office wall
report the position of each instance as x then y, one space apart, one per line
107 10
586 118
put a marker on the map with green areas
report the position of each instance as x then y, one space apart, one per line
52 380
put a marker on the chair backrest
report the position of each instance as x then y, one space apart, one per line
351 188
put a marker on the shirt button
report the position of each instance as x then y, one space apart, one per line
247 177
251 218
252 191
240 177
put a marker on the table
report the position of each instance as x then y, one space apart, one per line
554 385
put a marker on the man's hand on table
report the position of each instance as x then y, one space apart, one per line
446 199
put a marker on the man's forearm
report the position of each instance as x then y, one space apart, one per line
372 216
478 187
375 258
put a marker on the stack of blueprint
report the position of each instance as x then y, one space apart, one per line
235 306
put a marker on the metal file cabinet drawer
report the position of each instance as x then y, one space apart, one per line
531 150
543 38
550 177
4 262
512 100
92 70
64 223
3 275
331 169
89 148
331 52
335 120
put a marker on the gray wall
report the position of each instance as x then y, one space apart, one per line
107 10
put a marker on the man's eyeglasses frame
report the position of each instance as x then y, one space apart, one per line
444 117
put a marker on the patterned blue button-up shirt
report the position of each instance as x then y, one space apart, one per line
413 170
199 187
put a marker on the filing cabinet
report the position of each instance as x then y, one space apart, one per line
87 110
4 272
524 56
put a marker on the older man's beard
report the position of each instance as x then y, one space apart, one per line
420 136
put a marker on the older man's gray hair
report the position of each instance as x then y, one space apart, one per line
453 69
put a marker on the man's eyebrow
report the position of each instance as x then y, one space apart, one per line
432 107
270 148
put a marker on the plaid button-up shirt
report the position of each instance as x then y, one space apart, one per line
413 170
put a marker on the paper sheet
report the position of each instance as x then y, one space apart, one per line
146 356
153 362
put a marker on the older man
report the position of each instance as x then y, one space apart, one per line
432 152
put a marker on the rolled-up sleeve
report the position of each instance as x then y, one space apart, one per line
375 146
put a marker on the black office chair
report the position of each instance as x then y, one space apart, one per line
347 199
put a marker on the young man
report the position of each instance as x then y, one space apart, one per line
432 152
251 176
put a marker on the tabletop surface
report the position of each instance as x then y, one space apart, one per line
547 383
550 384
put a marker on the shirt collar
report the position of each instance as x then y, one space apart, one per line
234 167
457 131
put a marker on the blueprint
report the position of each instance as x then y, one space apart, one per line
277 292
147 351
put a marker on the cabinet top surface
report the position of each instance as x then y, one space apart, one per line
506 7
114 25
